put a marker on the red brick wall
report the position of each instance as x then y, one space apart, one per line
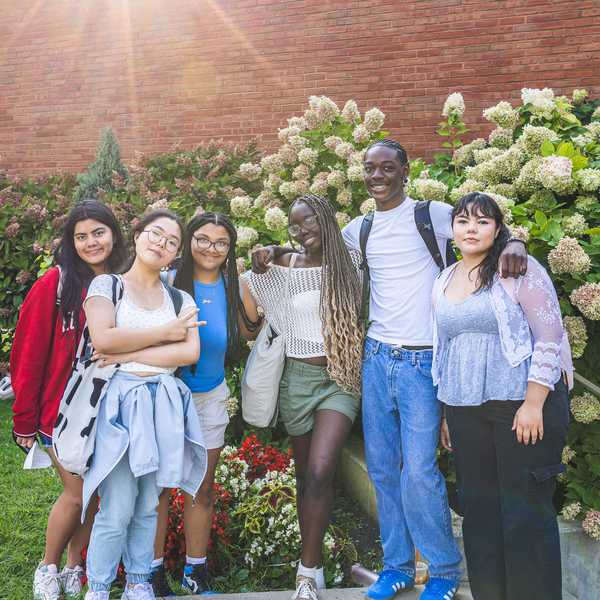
168 71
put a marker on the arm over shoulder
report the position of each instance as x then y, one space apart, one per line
351 233
441 218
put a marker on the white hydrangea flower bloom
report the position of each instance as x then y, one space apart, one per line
502 114
596 113
319 184
569 257
336 179
571 511
288 190
301 172
308 156
520 232
504 204
272 163
428 189
344 197
356 158
275 219
486 154
588 180
246 237
350 112
344 150
360 134
250 171
463 156
574 224
367 206
555 173
297 142
374 119
541 101
579 96
501 137
288 154
332 141
533 137
299 122
355 172
454 105
285 133
240 206
342 219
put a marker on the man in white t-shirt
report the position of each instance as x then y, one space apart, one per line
400 411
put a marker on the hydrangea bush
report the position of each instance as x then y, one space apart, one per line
541 162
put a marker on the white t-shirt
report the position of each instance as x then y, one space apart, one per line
131 315
402 271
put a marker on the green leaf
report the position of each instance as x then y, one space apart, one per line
547 148
579 162
540 218
566 149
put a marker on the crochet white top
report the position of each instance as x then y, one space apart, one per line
301 314
131 315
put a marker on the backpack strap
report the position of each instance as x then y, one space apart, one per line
425 229
365 229
176 297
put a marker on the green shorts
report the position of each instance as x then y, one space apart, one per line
305 389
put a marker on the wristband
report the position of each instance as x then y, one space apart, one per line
516 239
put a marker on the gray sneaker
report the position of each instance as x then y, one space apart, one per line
71 581
139 591
46 583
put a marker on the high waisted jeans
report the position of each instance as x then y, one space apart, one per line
505 490
401 421
124 526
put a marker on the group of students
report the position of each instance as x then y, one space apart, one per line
476 357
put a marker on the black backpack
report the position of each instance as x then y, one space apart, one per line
425 229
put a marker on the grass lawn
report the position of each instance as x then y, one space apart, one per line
25 499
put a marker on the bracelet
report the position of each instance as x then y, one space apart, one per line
516 239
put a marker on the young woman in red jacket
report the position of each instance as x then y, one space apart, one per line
50 323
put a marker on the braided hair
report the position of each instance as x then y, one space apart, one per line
340 299
184 279
393 145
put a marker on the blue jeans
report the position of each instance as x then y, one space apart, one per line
401 423
124 526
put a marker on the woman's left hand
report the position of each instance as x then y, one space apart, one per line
112 359
529 423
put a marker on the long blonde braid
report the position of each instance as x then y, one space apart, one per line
340 299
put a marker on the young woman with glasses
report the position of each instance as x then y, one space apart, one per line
319 390
208 272
148 435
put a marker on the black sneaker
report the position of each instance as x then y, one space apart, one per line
160 585
196 579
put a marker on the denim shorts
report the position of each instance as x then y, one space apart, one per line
305 389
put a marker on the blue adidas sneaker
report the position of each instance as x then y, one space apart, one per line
389 583
197 580
438 588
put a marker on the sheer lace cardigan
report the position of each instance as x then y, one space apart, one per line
529 323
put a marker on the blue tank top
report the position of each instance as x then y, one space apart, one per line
210 368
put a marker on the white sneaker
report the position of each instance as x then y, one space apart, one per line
320 579
46 583
90 595
306 588
139 591
71 581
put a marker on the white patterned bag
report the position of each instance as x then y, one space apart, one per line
264 367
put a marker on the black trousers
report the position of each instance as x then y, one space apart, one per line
505 491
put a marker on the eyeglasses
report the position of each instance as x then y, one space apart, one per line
157 238
311 223
203 243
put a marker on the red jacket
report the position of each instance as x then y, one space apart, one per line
41 359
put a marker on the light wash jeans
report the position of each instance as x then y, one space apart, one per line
124 526
401 423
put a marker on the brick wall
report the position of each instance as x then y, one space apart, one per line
179 71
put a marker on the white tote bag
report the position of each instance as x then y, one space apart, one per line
264 367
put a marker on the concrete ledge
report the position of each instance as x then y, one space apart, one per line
339 594
580 554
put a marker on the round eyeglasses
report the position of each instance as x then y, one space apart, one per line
203 243
157 238
311 223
